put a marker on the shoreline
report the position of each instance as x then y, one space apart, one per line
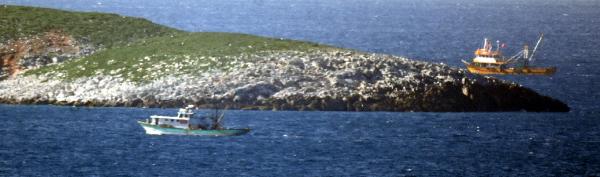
175 104
292 81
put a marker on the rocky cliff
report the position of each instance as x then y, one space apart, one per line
335 80
35 51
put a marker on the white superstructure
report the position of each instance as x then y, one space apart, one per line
185 120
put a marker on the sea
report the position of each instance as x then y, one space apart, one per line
45 140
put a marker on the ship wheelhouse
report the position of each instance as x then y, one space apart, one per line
488 57
185 120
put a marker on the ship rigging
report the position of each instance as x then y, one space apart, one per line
491 61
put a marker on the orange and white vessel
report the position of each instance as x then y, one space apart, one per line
491 61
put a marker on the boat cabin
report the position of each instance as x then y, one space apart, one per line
185 120
488 57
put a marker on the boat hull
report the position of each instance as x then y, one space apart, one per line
505 71
158 130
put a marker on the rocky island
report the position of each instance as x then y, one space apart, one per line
94 59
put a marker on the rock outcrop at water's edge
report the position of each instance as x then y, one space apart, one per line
291 80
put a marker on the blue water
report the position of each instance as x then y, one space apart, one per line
57 141
46 140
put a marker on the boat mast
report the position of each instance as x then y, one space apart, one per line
484 43
498 45
525 55
536 46
525 52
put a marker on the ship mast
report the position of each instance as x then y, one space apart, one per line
536 46
525 55
498 45
525 52
484 43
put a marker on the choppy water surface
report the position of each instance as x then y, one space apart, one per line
50 141
65 141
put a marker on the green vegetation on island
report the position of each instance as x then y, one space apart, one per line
99 28
194 52
133 43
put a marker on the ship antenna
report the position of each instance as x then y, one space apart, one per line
525 51
484 43
536 46
497 45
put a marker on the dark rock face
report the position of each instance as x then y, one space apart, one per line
319 80
498 96
493 96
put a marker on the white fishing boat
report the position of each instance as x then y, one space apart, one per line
185 123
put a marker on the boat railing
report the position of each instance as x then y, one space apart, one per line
168 117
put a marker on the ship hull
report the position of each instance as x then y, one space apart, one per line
158 130
505 71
